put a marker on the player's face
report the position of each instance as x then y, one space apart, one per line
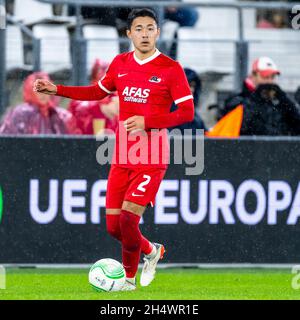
144 33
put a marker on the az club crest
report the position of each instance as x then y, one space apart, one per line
155 79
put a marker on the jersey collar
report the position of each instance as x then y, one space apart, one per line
140 62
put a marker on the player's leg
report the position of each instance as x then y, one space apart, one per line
142 190
113 223
131 241
116 188
115 192
117 185
114 229
146 245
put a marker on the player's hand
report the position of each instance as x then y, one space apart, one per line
44 86
134 123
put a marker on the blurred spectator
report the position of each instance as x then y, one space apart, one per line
195 85
39 114
117 16
114 16
9 6
93 117
279 21
262 108
185 16
272 20
102 15
264 71
268 111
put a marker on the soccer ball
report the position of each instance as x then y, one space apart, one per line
107 275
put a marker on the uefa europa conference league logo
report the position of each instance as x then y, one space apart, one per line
220 201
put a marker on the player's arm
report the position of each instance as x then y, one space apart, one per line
184 113
85 93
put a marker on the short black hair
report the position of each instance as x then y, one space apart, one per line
144 12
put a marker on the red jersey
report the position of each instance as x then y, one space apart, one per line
146 88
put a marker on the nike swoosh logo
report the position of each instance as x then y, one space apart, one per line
137 195
122 75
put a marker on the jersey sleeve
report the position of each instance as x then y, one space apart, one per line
179 86
95 92
183 98
83 93
184 114
107 83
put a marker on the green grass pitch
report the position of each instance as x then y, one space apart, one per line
181 284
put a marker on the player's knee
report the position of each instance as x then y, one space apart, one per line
133 208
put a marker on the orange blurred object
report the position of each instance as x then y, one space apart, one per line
229 126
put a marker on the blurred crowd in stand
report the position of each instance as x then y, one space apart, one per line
185 16
261 108
41 114
265 107
275 18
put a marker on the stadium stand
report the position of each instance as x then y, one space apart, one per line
197 50
209 47
169 31
55 47
38 13
15 50
100 39
283 46
278 44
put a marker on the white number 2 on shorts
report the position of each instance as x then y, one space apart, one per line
144 183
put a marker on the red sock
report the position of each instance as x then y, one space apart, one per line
113 228
131 242
146 246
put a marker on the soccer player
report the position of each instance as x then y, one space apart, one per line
147 83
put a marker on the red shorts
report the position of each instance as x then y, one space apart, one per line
135 185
